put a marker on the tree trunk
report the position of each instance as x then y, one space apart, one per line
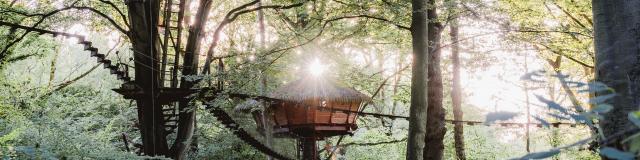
396 80
266 123
456 91
435 113
309 149
419 89
187 115
617 32
52 70
143 16
554 136
525 88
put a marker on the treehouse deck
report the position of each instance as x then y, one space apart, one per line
306 119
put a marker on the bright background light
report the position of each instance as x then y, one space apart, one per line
316 68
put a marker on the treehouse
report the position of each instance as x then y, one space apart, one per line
314 108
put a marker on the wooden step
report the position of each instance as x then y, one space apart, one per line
112 67
106 63
100 58
120 76
90 48
119 73
85 43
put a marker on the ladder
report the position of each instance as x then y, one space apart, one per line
172 17
171 24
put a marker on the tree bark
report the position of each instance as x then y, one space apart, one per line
266 122
419 88
143 16
456 91
617 32
434 145
187 115
52 70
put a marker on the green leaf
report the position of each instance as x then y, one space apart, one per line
634 145
595 87
634 118
583 118
602 108
616 154
552 105
557 116
560 75
540 155
601 99
532 75
575 84
544 123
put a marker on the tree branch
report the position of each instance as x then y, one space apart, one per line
44 16
67 83
230 17
113 22
571 16
124 18
51 13
560 53
375 18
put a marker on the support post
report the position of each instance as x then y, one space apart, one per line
309 148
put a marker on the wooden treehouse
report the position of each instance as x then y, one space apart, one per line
312 109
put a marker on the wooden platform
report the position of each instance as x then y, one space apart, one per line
165 95
314 130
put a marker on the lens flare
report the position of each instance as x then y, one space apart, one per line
316 68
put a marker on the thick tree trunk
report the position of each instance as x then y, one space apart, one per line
143 18
456 91
617 59
419 89
187 115
434 145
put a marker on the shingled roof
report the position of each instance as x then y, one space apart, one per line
316 87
